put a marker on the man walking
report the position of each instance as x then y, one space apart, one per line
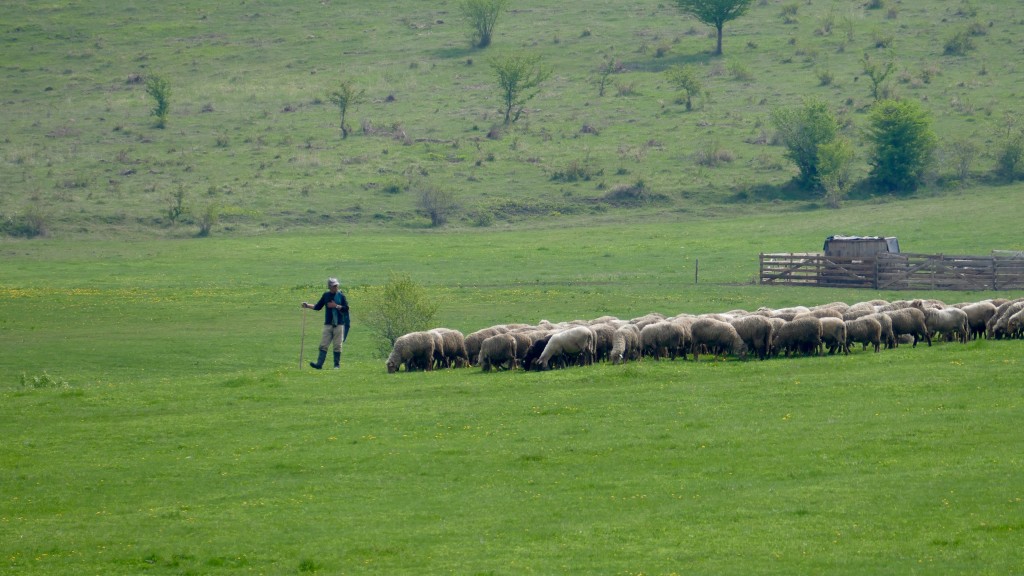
336 322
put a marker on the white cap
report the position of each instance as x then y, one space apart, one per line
332 282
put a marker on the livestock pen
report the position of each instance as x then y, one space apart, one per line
1001 270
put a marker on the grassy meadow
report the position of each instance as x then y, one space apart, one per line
154 416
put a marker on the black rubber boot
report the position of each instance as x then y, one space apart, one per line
337 360
319 360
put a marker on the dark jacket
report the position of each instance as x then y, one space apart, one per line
334 316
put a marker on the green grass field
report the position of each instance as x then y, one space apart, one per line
154 417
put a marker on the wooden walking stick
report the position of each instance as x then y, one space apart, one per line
302 346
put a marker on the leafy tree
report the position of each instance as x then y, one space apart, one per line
835 169
399 307
900 132
345 97
519 79
803 131
482 15
686 79
160 89
715 13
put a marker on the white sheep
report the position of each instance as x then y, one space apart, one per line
834 335
866 330
498 351
415 350
952 322
664 339
910 321
978 314
801 334
625 344
574 342
757 332
713 336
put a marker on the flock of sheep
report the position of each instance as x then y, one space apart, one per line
766 332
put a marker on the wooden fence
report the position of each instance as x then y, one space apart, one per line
999 271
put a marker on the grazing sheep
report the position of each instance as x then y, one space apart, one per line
438 360
535 350
841 307
625 344
823 313
978 315
524 338
646 319
757 332
866 330
474 339
452 348
909 321
415 350
887 334
801 334
604 334
788 314
834 335
1015 325
664 339
949 321
498 351
577 341
715 335
996 326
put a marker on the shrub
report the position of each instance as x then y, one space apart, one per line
482 16
437 204
44 380
835 169
959 45
160 89
31 224
686 79
903 143
398 307
577 171
713 154
1009 157
802 131
208 219
176 205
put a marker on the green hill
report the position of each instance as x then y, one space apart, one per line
253 144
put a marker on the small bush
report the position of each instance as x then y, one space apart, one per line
577 171
208 219
1009 157
714 155
959 45
43 380
32 223
398 307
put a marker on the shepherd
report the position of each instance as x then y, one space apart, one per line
336 322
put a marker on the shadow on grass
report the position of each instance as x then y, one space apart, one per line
664 63
457 53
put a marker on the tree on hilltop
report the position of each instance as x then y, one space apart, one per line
715 13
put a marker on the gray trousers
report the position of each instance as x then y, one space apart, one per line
332 333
